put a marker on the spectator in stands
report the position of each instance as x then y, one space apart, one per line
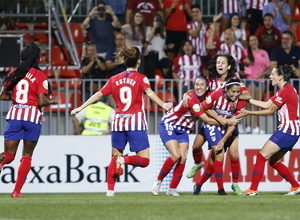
287 53
197 32
187 66
93 67
94 120
259 67
228 8
135 31
228 46
101 22
119 7
254 9
268 36
175 14
281 13
113 66
147 8
240 33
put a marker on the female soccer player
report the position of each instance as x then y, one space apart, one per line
221 68
174 128
129 123
221 137
27 86
286 101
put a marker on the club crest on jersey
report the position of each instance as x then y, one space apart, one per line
45 84
170 133
146 80
213 138
208 100
196 108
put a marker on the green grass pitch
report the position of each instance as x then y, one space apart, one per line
145 206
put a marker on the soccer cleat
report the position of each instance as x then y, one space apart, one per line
172 192
294 191
156 187
119 163
16 195
250 192
196 189
236 189
222 192
194 170
1 161
110 193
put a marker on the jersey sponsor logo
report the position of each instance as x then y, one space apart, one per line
146 80
208 100
45 84
196 108
278 99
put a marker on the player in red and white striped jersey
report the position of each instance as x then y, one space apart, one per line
286 102
27 87
129 123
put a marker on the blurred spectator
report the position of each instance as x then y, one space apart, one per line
254 9
94 120
281 13
93 67
101 22
113 66
258 68
240 33
175 14
229 47
146 7
287 53
268 36
187 66
119 7
135 31
228 8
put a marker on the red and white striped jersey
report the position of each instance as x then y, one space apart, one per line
127 89
218 103
183 117
256 4
234 50
199 42
188 68
215 84
231 6
287 100
25 97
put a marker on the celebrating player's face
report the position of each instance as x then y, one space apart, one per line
274 77
233 93
200 87
222 65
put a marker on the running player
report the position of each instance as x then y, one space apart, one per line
27 86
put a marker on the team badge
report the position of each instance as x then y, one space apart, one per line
196 108
170 133
146 80
208 100
213 138
45 84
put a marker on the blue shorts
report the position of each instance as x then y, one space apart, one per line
168 132
138 140
255 83
213 135
21 130
228 15
285 141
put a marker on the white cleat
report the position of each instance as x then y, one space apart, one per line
156 187
294 191
110 193
172 192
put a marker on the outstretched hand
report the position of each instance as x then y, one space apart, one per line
243 113
233 121
75 111
219 147
167 106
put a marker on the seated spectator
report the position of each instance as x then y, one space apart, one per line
240 33
228 8
254 11
175 12
187 66
100 23
135 31
94 120
93 67
119 7
287 53
259 67
228 46
112 65
268 36
281 13
148 8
